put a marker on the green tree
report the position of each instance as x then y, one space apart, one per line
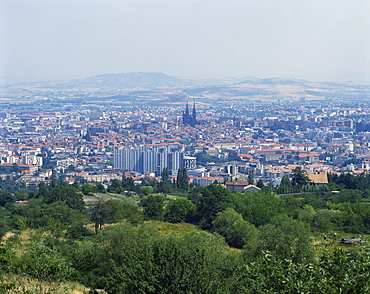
100 214
308 214
300 177
4 226
65 194
243 235
100 188
214 199
226 218
16 169
285 186
87 189
56 216
153 206
195 194
42 190
285 181
346 271
233 156
21 195
260 184
6 197
251 178
153 183
287 238
76 184
323 220
77 231
6 256
182 179
44 264
122 210
149 263
345 195
146 190
237 232
115 187
203 158
179 210
164 186
128 184
258 208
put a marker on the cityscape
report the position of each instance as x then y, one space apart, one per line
132 133
184 147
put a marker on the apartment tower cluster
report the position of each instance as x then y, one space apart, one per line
145 159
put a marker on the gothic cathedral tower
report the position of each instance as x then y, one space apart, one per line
188 119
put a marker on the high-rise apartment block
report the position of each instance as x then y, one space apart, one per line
144 159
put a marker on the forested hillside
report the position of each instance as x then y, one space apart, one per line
171 238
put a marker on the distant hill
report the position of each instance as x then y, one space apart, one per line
272 81
128 80
162 88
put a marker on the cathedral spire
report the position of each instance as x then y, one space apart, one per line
187 118
186 115
194 116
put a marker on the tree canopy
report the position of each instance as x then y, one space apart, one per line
299 176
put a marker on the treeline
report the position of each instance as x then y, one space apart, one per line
346 210
348 181
138 259
150 185
300 183
60 209
273 251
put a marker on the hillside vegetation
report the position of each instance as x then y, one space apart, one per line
212 241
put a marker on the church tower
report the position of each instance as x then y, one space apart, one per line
186 115
194 116
188 119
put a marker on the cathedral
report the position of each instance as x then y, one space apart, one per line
187 118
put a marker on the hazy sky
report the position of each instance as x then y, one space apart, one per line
310 39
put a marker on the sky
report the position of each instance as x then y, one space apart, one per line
63 39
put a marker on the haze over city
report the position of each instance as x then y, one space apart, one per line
184 146
314 40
